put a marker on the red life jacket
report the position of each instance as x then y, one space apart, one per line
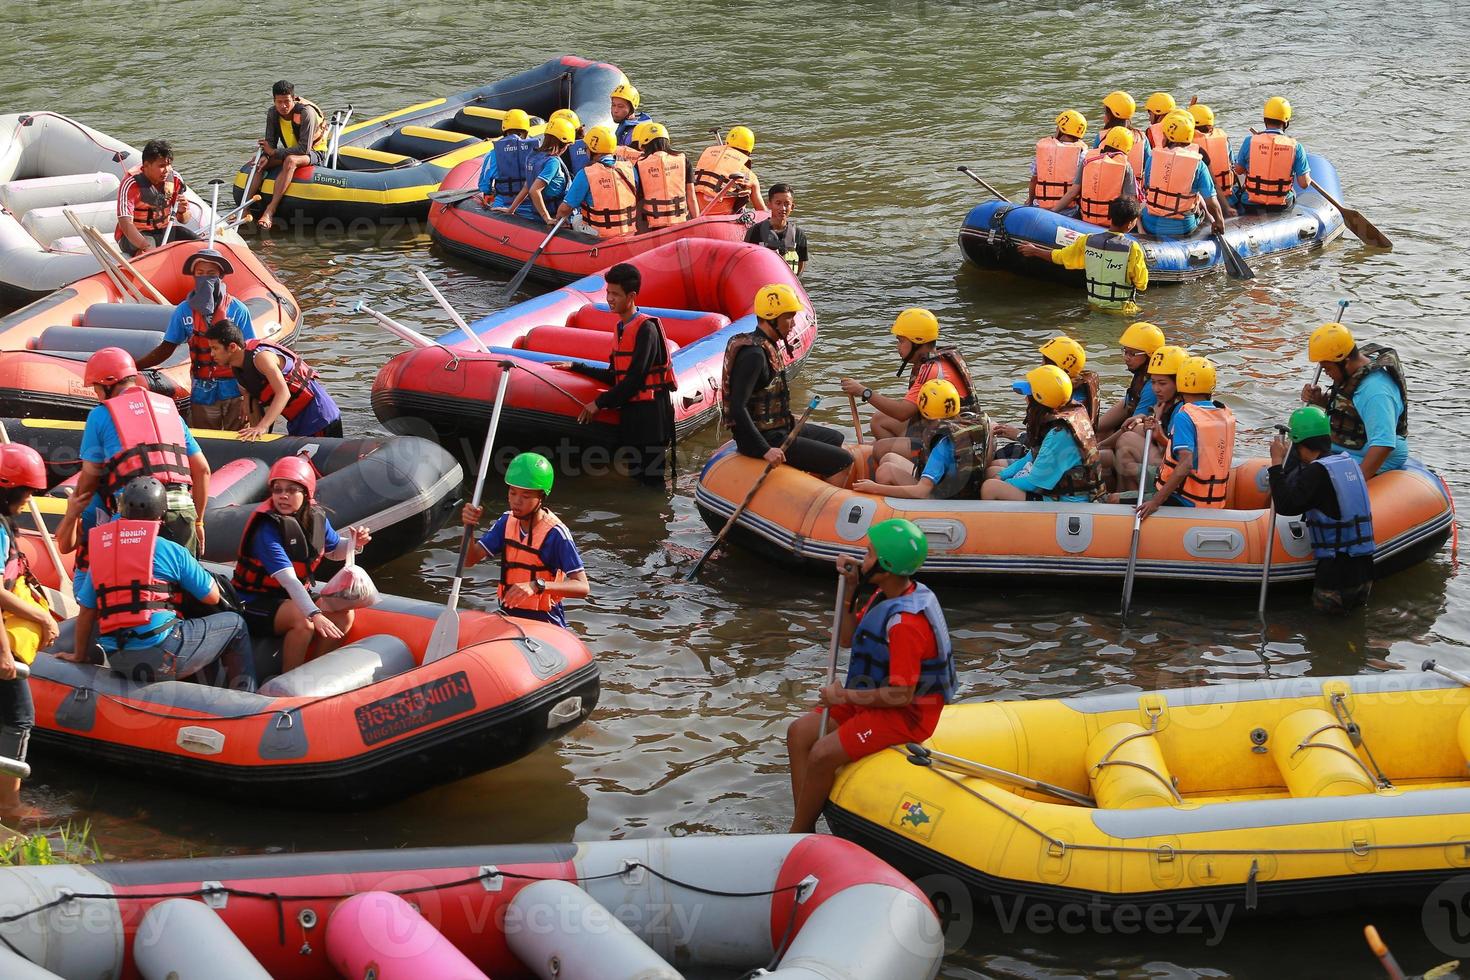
155 204
520 561
201 361
299 376
128 594
306 552
152 435
660 376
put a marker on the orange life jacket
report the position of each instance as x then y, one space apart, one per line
298 374
627 154
201 361
306 553
1135 155
1214 452
152 435
611 207
715 168
1056 168
947 364
1102 184
122 575
1214 147
154 204
1267 177
1156 134
520 561
660 376
662 192
1170 192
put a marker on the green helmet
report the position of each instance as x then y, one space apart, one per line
900 545
1309 421
530 471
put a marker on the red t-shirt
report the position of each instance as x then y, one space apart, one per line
911 641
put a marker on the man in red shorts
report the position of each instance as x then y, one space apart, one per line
899 678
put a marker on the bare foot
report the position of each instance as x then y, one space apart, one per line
266 220
21 814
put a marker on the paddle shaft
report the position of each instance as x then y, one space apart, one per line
469 532
1266 564
1354 219
832 648
1148 440
453 313
52 552
983 183
857 423
1454 675
214 186
520 277
406 334
254 169
145 286
124 293
970 768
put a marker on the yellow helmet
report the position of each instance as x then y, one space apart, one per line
560 130
1331 342
569 116
742 138
1066 354
1072 123
1159 103
654 131
1196 376
773 300
641 132
917 326
1202 114
627 93
1142 336
1277 108
1049 385
600 140
1178 127
1121 105
1167 360
515 119
1119 138
939 399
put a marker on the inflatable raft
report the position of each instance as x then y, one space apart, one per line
801 907
700 289
49 163
991 229
386 167
1292 795
44 346
799 520
468 229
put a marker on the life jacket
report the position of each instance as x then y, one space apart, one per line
1267 178
152 435
1136 155
624 132
660 376
201 362
715 168
1214 148
868 667
627 154
1088 384
786 239
24 634
155 204
1056 168
1213 457
947 363
512 164
611 207
298 374
521 561
1155 134
1348 430
289 124
1102 184
1350 534
969 434
1105 270
769 407
578 156
662 199
1086 477
1169 192
128 593
1134 393
305 551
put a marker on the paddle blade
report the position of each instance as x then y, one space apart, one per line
1235 266
445 638
1365 229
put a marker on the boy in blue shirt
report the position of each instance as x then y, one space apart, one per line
502 175
1269 163
1366 403
945 471
1170 194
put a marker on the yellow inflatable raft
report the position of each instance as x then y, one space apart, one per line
796 518
1268 796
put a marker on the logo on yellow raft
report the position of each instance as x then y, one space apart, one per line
916 816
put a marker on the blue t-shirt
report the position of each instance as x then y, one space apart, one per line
578 191
1038 472
554 173
1204 185
941 462
625 128
181 328
1380 404
1243 158
100 441
267 547
1147 399
171 563
558 553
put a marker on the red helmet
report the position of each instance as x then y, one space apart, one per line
109 366
21 466
297 469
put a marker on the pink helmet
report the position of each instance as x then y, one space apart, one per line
297 469
109 366
21 466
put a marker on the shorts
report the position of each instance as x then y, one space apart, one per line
260 614
227 414
864 731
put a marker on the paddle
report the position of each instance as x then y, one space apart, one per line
920 756
785 444
1148 441
406 334
1235 265
981 181
1270 547
447 198
144 284
68 602
214 186
857 422
254 169
453 313
445 638
1380 950
1430 666
1356 223
520 277
832 648
124 292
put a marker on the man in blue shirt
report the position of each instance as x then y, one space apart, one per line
1366 404
1175 179
579 193
1062 461
546 175
1269 163
502 175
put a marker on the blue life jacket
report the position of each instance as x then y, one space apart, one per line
626 127
1352 534
868 667
577 158
512 164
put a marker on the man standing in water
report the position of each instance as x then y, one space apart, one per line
779 232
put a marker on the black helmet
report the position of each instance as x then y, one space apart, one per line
143 499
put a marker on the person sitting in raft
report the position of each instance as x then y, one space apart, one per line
129 596
665 182
1058 160
1103 176
724 182
1067 354
1118 110
548 176
503 174
1176 180
1214 148
578 156
604 196
295 136
1368 401
900 675
623 105
278 383
1330 490
755 399
149 199
1138 344
1200 451
952 462
285 541
1269 163
539 563
1158 105
1129 440
1063 465
779 232
1113 266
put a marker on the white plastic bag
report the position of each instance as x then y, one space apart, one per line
351 588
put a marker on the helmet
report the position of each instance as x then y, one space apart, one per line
654 131
1142 336
21 466
1331 342
1159 103
917 326
1072 123
1118 138
1196 376
627 93
1277 108
900 545
143 499
109 366
642 131
514 119
773 300
530 471
1202 114
569 116
1167 360
1121 105
1178 127
600 140
297 469
561 131
741 138
939 399
1309 421
1066 354
1048 384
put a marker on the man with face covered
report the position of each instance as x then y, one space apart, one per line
215 400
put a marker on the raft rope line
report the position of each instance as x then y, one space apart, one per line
1153 727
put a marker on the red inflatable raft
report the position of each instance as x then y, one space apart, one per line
44 346
702 292
468 229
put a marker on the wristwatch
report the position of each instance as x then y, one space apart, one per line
867 395
540 586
